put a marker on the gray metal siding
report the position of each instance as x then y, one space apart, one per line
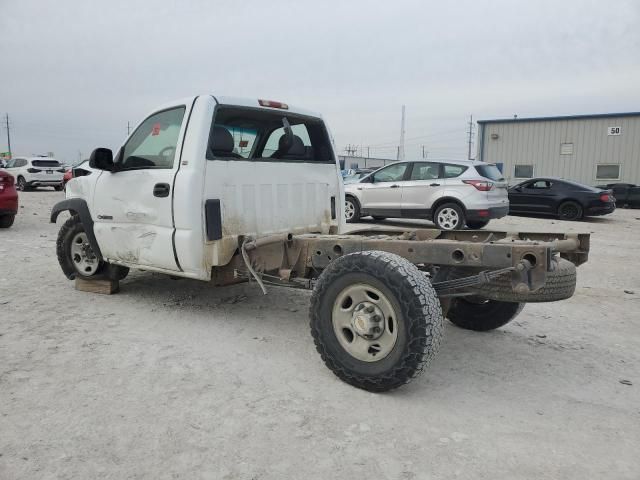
538 143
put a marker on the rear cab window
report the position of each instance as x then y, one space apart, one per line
260 135
489 171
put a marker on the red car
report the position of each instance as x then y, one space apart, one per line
8 199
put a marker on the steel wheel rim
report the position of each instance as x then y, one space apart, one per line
448 218
82 256
354 322
349 209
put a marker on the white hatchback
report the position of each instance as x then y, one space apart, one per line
33 172
452 193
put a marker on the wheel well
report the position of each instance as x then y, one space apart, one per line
562 202
444 200
352 197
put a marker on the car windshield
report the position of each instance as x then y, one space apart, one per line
45 163
490 171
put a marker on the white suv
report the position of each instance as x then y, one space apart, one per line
452 194
33 172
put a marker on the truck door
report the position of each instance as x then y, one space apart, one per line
132 206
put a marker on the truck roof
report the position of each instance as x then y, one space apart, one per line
242 102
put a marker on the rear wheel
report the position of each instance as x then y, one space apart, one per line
21 184
449 217
570 211
375 319
480 314
477 225
6 221
351 210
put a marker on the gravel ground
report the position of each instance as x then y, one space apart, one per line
175 379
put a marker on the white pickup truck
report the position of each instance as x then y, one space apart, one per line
227 190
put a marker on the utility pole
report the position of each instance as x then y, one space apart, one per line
368 156
470 132
8 134
128 128
401 147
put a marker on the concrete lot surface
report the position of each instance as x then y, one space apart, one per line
174 379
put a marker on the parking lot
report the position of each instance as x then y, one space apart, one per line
172 378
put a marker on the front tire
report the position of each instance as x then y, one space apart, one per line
59 188
570 211
351 210
482 315
75 255
375 319
449 216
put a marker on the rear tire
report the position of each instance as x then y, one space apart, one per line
477 225
21 184
351 210
6 221
449 216
570 211
481 315
375 290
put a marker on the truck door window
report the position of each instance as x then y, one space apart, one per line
154 143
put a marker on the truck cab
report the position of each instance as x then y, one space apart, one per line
199 174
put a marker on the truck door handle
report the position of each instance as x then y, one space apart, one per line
394 186
161 190
434 185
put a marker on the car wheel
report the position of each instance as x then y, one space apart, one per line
6 221
477 225
21 184
449 217
59 188
570 211
351 210
375 319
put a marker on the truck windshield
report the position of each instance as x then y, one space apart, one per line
260 135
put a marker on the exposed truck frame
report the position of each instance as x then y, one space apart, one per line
379 295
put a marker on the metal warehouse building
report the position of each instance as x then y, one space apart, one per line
591 149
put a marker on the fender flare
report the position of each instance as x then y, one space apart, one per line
78 206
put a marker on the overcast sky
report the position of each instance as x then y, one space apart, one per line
74 72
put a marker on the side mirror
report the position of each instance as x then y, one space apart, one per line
102 159
367 179
518 188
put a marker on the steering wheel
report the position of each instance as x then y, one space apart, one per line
167 149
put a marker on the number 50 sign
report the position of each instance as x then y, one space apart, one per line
614 130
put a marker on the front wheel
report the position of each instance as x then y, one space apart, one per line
351 210
59 188
482 315
77 258
375 319
449 217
